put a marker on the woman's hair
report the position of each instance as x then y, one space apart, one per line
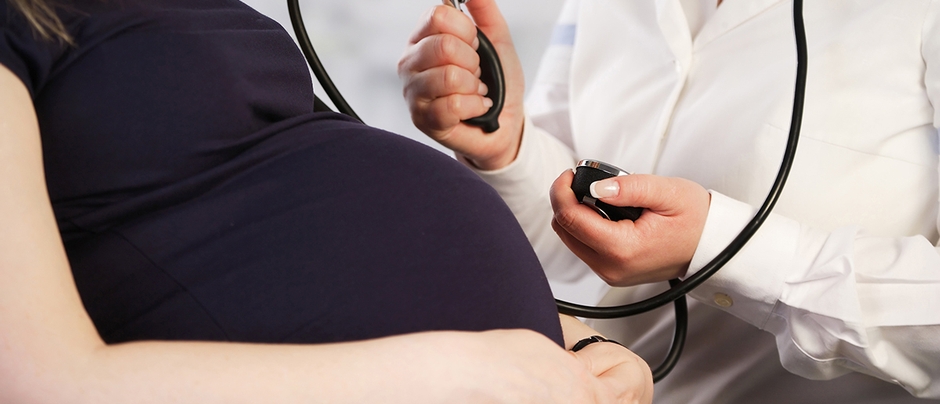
42 17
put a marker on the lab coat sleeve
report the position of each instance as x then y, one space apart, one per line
546 151
524 186
836 301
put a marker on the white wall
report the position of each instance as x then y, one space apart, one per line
360 42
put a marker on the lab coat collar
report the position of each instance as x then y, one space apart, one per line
675 27
729 15
672 21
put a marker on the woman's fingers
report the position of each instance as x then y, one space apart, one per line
622 372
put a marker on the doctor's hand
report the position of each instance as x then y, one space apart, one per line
658 246
440 70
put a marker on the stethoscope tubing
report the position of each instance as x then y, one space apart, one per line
678 289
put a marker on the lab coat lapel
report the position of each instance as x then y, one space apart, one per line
729 15
675 27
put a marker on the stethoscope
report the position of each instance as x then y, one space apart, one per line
591 170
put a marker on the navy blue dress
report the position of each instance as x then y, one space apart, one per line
200 198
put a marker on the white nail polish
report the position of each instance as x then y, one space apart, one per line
605 188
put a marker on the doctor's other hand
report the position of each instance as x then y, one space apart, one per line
440 70
658 246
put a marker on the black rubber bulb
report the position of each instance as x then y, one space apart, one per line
491 75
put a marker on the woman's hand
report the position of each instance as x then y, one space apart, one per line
441 69
622 372
521 366
656 247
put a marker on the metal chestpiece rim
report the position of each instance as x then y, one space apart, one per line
600 165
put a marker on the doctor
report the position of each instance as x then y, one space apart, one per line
835 299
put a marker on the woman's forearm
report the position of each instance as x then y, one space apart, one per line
392 370
191 372
503 366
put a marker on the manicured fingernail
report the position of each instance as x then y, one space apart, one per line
482 89
487 102
605 188
476 43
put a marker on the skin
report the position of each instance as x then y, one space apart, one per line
50 351
440 70
440 73
658 246
621 371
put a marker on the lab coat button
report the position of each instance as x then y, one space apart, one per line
723 300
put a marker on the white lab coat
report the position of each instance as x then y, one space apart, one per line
844 277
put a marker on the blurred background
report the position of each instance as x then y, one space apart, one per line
360 42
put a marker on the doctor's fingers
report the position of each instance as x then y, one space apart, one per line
446 20
613 265
436 51
440 118
487 16
664 195
611 249
440 82
578 219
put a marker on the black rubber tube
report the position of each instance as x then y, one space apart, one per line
293 8
679 289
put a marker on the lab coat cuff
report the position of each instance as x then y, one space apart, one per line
540 160
751 283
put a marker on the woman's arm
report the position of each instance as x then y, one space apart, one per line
626 374
50 351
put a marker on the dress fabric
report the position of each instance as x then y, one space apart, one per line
839 287
200 198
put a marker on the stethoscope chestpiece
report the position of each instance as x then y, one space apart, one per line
589 171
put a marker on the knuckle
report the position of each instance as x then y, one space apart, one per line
675 188
622 254
609 276
634 185
414 91
409 86
403 67
448 46
437 18
453 104
407 93
419 118
565 218
450 81
439 113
